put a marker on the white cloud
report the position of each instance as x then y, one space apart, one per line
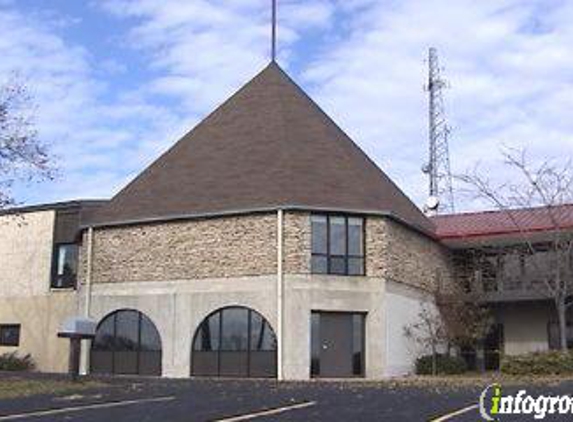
202 51
509 63
98 140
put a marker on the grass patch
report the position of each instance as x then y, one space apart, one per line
13 387
475 381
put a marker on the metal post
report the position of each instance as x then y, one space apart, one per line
74 361
280 298
274 32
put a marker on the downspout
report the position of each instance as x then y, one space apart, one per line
88 301
280 291
86 346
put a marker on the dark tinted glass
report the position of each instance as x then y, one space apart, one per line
126 342
105 338
247 345
10 335
315 344
262 337
358 344
207 338
355 266
127 330
337 265
319 264
66 266
235 329
234 363
263 364
335 239
319 236
150 340
149 363
337 236
355 242
205 364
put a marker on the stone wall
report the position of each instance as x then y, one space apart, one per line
193 249
297 243
246 246
402 255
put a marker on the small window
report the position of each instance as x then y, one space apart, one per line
65 266
337 245
9 334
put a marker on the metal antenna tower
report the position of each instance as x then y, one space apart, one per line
441 198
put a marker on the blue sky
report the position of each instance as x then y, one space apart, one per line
117 82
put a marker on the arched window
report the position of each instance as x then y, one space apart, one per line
234 341
126 342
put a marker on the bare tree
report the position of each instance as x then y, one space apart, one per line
429 331
465 323
545 189
451 320
22 156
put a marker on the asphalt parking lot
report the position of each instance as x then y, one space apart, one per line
233 401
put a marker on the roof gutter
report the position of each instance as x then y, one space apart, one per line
273 209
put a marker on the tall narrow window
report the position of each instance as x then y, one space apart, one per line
65 266
337 245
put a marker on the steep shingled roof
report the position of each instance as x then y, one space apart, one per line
268 146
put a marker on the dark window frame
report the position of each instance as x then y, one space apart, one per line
347 256
55 261
16 342
114 350
220 349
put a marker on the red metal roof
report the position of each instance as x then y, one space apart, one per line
496 223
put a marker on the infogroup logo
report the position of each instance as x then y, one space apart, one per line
493 403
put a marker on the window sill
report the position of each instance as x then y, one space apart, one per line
62 289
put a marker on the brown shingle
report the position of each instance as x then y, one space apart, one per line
268 146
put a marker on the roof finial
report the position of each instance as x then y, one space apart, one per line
274 32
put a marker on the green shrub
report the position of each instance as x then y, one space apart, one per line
445 365
540 363
13 362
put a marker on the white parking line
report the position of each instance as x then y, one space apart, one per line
80 408
269 412
456 413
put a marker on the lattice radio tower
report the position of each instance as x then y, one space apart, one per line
441 194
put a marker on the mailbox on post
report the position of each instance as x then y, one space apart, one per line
77 329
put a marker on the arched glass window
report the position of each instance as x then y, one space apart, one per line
234 341
126 342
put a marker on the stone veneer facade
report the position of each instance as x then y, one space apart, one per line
399 254
245 245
